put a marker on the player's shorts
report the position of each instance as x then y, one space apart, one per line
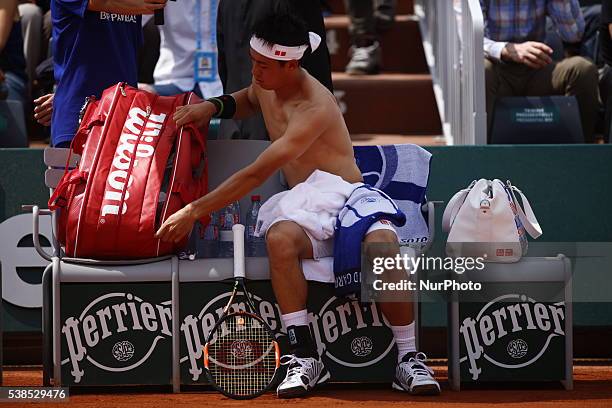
321 267
325 248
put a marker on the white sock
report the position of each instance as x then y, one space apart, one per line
299 318
405 340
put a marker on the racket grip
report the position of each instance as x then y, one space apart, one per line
158 17
239 261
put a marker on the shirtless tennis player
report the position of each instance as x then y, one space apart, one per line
308 133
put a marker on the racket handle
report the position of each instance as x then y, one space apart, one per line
239 268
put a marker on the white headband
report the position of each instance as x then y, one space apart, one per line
282 52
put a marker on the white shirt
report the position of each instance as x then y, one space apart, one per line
178 45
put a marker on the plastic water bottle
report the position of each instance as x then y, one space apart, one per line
190 250
256 246
229 216
208 243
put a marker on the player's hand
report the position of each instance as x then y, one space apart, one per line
177 226
531 53
43 109
199 114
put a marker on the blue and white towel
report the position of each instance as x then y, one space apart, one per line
402 172
364 207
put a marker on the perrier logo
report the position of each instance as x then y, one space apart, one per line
506 319
100 333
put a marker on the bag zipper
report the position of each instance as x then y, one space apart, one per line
177 142
148 110
94 164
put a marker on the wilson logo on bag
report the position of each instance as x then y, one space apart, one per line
486 220
136 169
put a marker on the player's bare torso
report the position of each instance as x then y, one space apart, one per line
332 150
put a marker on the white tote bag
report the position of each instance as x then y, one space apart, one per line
486 220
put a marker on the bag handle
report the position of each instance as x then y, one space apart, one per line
453 206
189 192
196 136
58 199
527 216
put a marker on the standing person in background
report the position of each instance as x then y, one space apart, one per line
188 50
13 78
95 45
32 25
605 81
234 29
369 18
519 63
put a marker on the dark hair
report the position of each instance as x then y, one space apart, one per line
283 28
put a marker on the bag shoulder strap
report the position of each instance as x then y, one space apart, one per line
58 198
527 216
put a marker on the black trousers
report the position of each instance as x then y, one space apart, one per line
368 17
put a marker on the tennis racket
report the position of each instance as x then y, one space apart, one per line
241 355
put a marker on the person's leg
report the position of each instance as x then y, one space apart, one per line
575 76
365 52
148 54
47 28
499 83
412 374
605 90
398 307
363 25
31 24
287 243
491 84
17 88
384 14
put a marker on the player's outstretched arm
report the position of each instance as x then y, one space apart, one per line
200 113
300 135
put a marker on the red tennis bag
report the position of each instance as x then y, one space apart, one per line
136 169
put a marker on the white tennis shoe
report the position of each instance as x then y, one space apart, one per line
303 374
412 375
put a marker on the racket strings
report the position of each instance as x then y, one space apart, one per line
242 356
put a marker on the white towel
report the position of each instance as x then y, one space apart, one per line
313 204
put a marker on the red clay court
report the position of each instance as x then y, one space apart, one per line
592 388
